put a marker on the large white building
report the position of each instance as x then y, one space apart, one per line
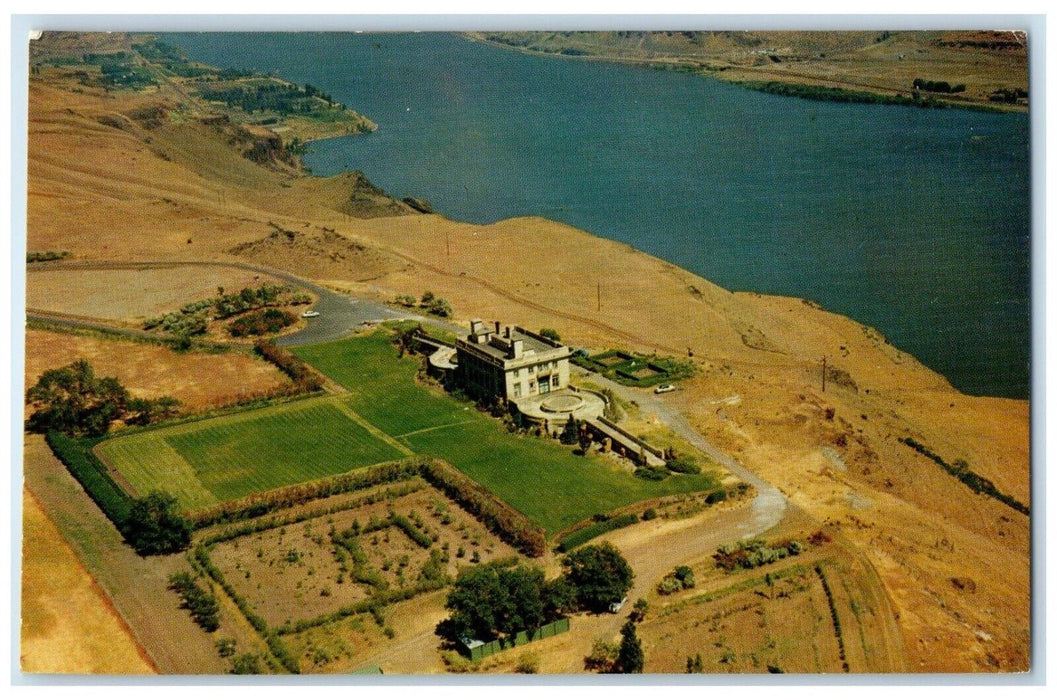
510 362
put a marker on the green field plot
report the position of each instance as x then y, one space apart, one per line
541 478
382 385
232 456
148 462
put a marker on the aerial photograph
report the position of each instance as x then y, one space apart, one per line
526 352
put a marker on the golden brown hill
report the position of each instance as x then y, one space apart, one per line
955 564
877 62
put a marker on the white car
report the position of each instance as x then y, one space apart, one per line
309 314
663 389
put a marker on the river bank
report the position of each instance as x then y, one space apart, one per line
878 67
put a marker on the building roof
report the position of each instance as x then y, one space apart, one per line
498 342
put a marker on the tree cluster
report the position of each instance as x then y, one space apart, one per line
492 603
262 322
937 86
201 604
73 400
488 602
156 526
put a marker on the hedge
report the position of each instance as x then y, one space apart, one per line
960 471
499 517
578 537
259 504
92 474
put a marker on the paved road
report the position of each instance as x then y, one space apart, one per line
339 314
768 507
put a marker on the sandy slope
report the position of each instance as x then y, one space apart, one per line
100 192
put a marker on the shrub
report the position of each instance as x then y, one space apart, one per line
599 527
203 606
651 473
528 663
649 514
266 321
602 657
550 334
683 464
680 578
246 665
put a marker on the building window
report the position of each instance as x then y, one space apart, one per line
517 391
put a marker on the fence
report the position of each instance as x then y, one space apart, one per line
476 650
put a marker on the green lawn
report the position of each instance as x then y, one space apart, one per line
219 459
539 477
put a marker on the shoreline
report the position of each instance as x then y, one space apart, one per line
846 91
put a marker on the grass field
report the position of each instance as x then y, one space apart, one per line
540 478
206 462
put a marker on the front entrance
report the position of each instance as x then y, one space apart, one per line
545 385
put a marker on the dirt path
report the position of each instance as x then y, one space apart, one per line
137 587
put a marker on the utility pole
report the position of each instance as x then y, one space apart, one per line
447 244
823 374
599 296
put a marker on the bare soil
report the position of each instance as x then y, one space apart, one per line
198 380
132 295
291 573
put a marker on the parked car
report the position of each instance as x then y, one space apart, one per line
309 314
663 389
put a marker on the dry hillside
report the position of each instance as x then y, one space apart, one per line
106 184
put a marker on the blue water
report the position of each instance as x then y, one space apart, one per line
913 221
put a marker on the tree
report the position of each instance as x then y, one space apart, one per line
155 525
488 603
73 400
630 658
551 334
559 598
571 433
599 574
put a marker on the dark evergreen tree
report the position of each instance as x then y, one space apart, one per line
630 658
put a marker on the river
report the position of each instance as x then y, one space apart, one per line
910 220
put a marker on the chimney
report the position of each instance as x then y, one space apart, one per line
497 327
